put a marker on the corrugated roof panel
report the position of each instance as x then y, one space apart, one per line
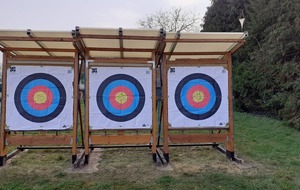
59 45
174 57
52 34
140 32
105 54
137 54
33 53
13 33
112 43
200 47
64 54
207 35
99 31
21 44
139 44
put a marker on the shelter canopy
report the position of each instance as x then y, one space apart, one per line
100 43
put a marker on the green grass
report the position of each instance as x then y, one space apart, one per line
270 149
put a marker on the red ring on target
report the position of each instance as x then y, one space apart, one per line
126 92
202 91
40 105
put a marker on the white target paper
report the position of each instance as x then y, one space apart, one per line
120 98
39 98
198 97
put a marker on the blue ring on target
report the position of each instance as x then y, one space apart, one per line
44 112
103 95
207 82
45 80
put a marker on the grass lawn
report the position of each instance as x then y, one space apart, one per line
271 152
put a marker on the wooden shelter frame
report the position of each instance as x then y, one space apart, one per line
38 139
165 54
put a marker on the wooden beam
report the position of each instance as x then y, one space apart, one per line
197 138
205 40
45 39
121 42
3 151
160 47
75 104
39 49
173 46
118 60
31 35
165 106
125 37
235 48
119 139
195 53
230 131
41 58
42 140
120 49
185 62
87 111
154 111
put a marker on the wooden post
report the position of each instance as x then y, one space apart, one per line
3 151
87 122
75 108
154 113
165 108
230 131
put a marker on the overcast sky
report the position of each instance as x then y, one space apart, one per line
66 14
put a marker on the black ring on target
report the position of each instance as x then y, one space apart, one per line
52 109
214 92
106 89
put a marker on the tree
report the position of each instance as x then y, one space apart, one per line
222 16
172 21
267 68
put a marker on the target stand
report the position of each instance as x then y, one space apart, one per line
120 106
39 105
198 108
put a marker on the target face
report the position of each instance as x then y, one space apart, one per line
198 97
40 97
120 97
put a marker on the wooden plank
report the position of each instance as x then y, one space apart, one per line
121 49
197 138
118 60
154 116
195 53
195 62
203 128
205 40
34 140
119 139
230 132
125 37
87 112
3 151
75 104
42 58
236 47
39 49
165 106
45 39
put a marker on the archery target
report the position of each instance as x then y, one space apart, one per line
120 98
198 97
39 98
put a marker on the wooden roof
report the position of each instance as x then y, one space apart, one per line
97 43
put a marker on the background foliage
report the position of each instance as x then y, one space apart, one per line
267 68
